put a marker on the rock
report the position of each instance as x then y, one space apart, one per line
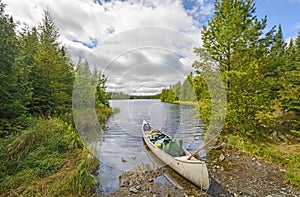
250 191
133 190
123 160
274 133
221 157
218 147
133 157
232 164
253 159
138 187
124 183
139 174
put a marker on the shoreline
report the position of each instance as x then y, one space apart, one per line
233 174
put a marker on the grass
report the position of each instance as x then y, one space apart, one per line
47 159
284 153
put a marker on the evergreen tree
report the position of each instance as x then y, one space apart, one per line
101 95
276 64
233 30
187 90
13 96
234 40
51 74
290 93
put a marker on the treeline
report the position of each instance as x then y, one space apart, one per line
37 75
41 152
121 95
180 92
260 70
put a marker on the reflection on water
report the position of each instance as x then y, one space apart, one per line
121 147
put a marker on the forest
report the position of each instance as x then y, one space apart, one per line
261 73
40 150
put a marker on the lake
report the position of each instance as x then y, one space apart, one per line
121 145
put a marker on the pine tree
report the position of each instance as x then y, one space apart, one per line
276 65
13 91
51 74
233 30
291 92
234 39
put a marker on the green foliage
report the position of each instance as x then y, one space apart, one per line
51 74
262 77
293 173
234 39
168 96
46 155
90 103
180 92
36 75
13 89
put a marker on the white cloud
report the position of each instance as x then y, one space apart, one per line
111 25
297 26
295 1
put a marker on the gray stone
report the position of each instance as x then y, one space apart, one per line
221 157
219 147
133 157
133 190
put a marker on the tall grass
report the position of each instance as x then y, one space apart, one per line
47 159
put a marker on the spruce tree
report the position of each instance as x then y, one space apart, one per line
234 39
13 91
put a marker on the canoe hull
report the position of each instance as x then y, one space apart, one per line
193 170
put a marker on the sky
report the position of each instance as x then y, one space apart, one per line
141 46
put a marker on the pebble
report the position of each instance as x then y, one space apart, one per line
219 147
221 157
133 190
232 164
133 157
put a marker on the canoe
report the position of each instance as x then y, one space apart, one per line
193 170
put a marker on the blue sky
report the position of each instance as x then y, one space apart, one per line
92 27
284 12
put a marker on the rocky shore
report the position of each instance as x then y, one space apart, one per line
242 175
232 174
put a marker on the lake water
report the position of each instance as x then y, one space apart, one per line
121 146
